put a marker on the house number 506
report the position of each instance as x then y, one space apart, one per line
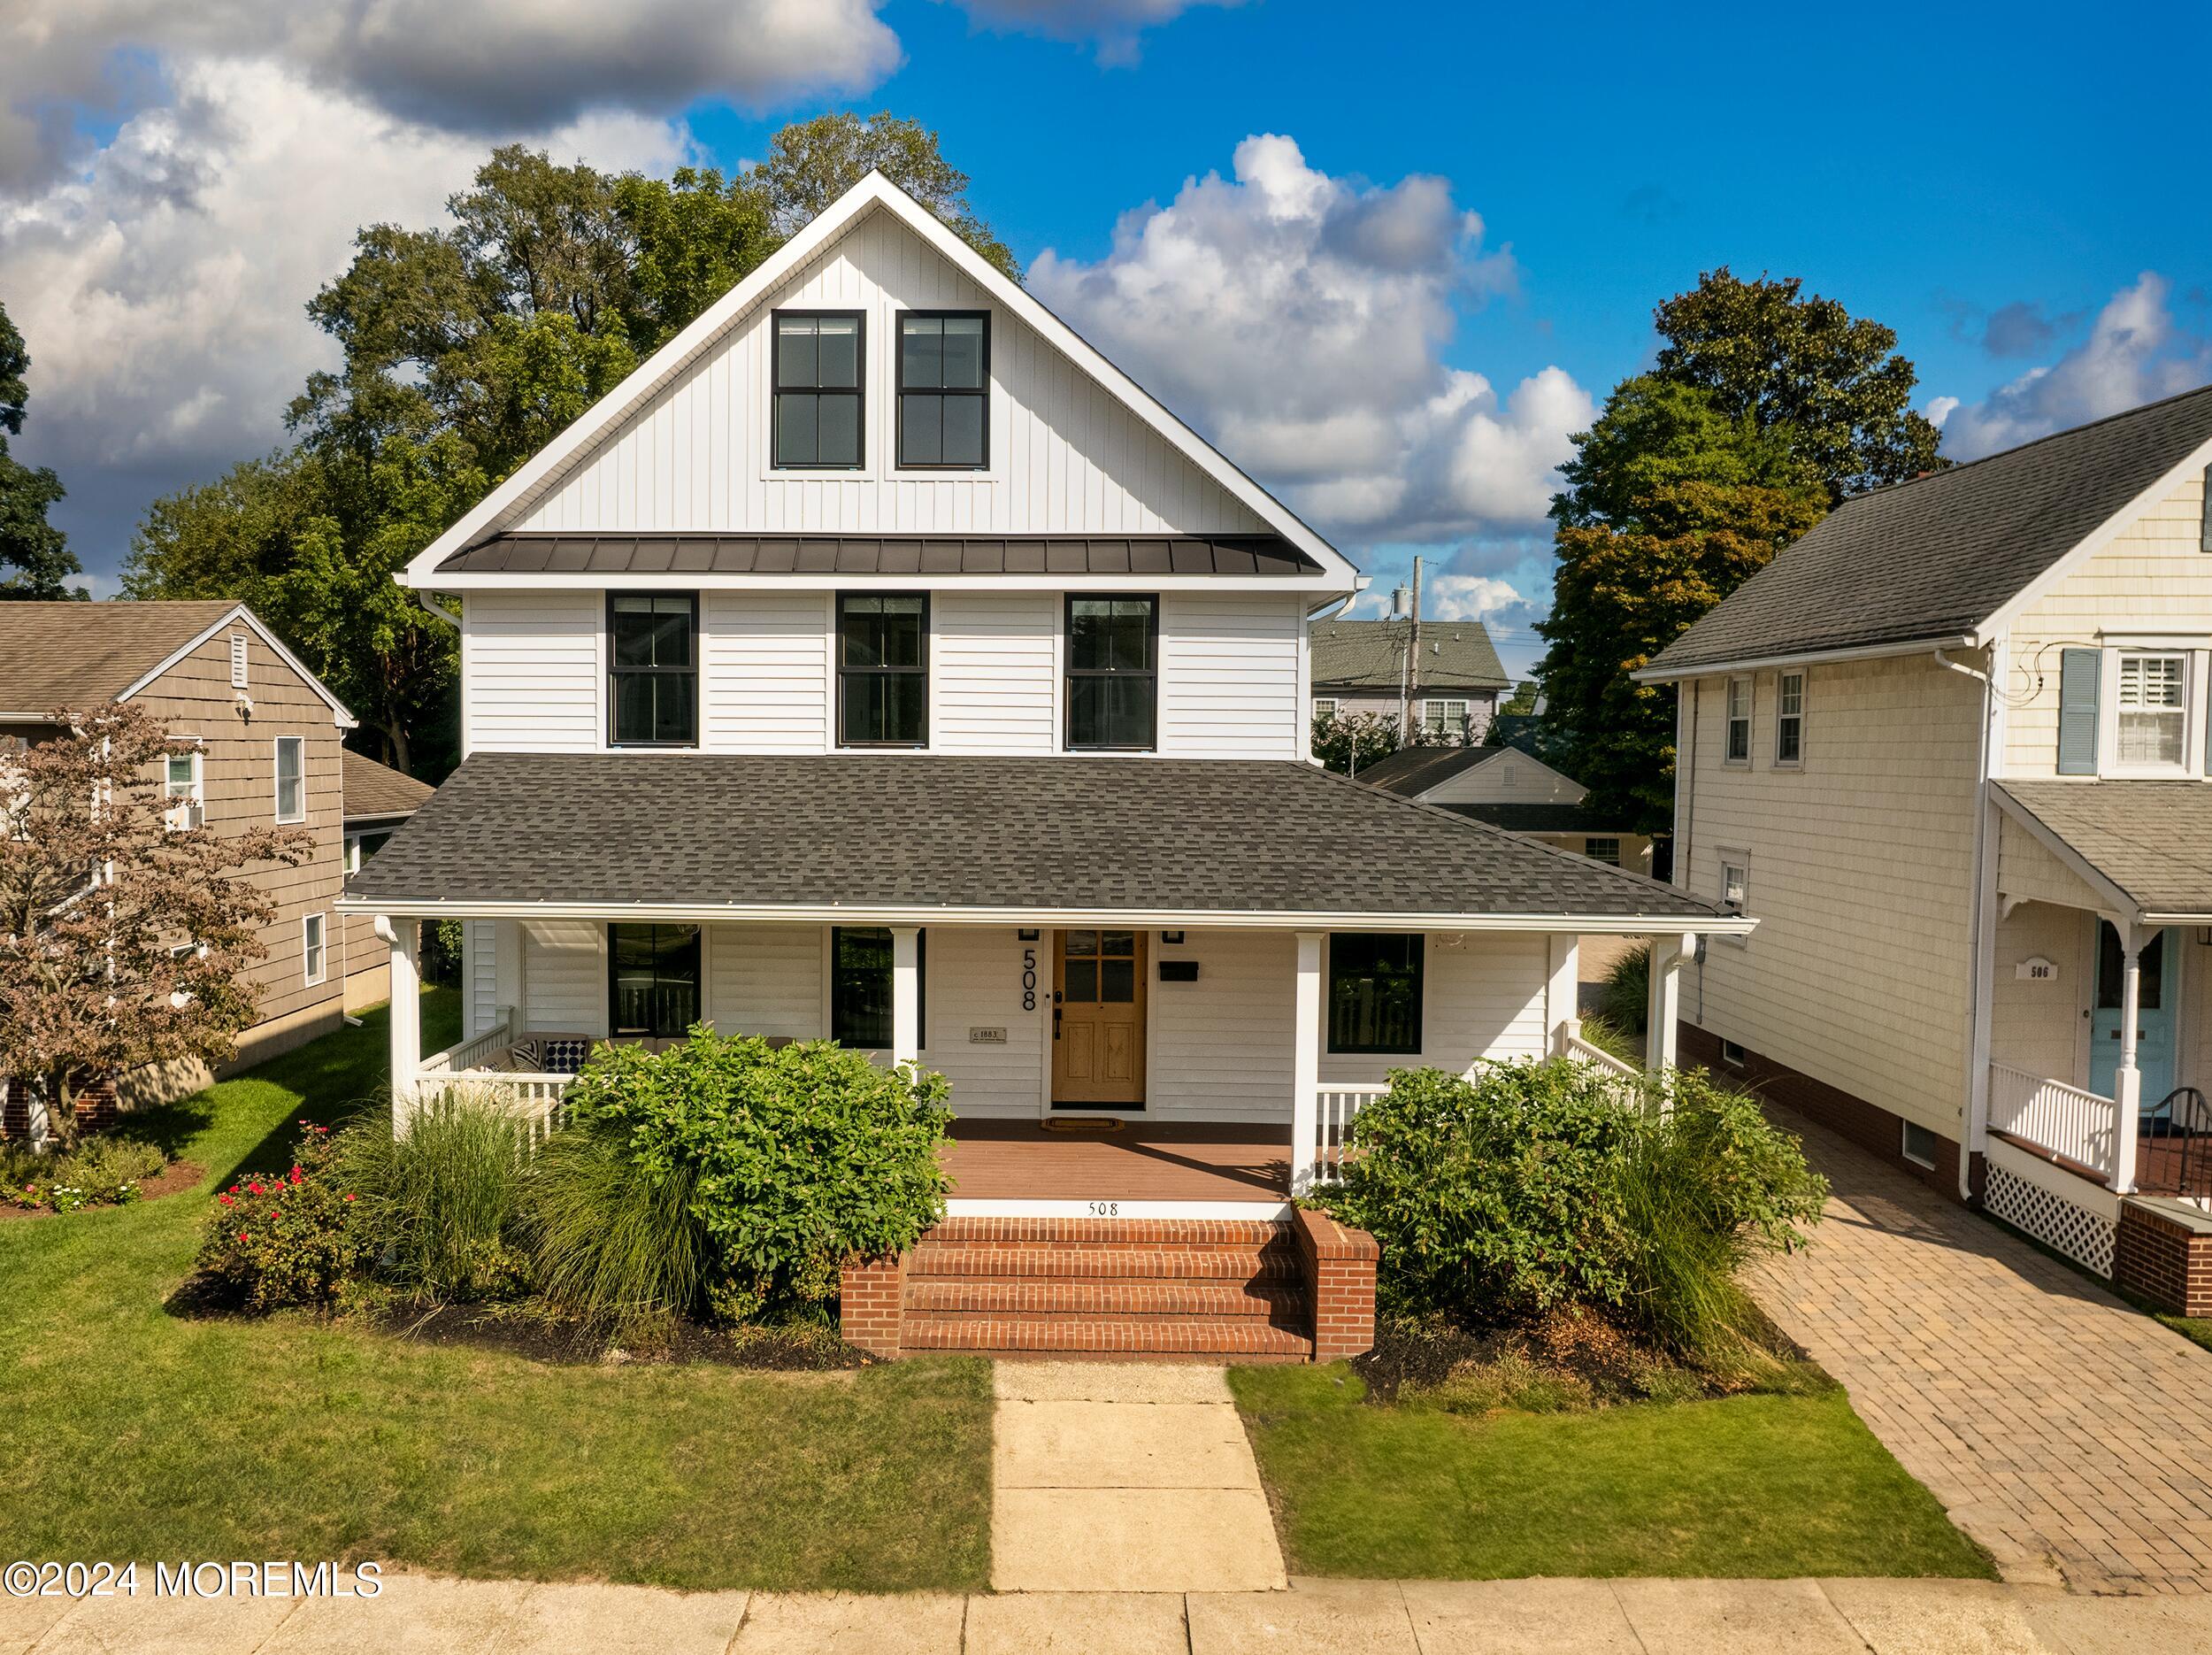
1029 980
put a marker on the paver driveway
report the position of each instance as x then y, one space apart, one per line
2063 1430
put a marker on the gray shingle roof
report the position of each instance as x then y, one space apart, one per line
78 655
896 832
1413 770
858 554
374 791
1366 655
1936 556
2152 839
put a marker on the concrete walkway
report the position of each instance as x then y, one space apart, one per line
425 1614
1126 1477
2065 1431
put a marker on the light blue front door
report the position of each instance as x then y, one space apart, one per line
2154 1026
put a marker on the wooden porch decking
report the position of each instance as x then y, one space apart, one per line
993 1160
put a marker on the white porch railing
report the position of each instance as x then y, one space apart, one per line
1575 1046
479 1052
2053 1116
1332 1123
480 1069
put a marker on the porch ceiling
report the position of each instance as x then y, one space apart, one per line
2149 842
882 838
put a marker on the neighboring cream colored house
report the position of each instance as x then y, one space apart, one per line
1445 673
1509 789
1951 751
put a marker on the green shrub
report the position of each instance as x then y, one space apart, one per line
100 1171
1623 1000
797 1158
286 1238
612 1241
442 1199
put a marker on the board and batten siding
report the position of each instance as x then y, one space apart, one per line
1861 865
1229 672
1067 458
2153 577
532 679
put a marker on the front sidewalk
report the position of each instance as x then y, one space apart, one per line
1536 1617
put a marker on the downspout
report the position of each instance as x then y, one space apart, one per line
1985 942
446 615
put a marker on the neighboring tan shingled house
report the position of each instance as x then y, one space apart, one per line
1509 789
1951 750
1361 666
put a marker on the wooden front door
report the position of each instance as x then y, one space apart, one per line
1098 1020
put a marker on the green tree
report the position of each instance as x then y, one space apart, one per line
35 549
811 163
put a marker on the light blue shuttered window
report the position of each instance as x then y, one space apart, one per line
2078 671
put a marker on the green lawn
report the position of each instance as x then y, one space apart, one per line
1764 1486
126 1431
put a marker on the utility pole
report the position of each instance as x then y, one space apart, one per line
1409 668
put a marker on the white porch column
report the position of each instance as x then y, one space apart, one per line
1663 1007
402 936
2127 1082
1562 991
1305 1064
906 993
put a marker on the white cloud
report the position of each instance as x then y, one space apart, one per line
1300 319
2136 352
1114 25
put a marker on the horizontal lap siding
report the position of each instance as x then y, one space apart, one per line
1518 779
766 658
1483 996
765 980
994 672
530 671
1068 457
1229 676
975 983
1222 1045
2152 578
1861 880
565 970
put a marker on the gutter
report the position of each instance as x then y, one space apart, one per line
1655 675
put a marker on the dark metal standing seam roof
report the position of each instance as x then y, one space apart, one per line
2152 839
1936 556
856 554
942 831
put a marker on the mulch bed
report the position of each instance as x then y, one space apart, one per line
173 1179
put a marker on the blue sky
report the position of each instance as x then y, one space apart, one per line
1992 182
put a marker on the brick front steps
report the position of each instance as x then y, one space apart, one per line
1200 1290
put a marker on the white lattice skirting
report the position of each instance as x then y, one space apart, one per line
2085 1236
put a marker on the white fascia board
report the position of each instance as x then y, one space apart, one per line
238 614
518 581
1810 657
871 192
861 914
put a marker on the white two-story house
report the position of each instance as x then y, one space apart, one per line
879 663
1951 750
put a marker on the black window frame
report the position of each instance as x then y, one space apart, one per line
899 393
921 987
1070 672
615 672
837 644
1340 1047
776 388
615 1029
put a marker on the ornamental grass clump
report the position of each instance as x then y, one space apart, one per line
443 1197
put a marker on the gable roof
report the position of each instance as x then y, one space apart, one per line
1412 771
873 193
77 655
2148 841
1941 557
374 791
1368 654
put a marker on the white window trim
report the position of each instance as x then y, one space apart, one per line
1325 706
195 794
1735 859
1435 710
1728 720
320 951
1732 1053
238 660
2191 652
1597 839
276 780
1904 1139
1802 677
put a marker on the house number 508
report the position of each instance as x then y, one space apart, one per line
1029 980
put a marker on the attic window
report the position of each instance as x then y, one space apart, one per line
817 390
944 391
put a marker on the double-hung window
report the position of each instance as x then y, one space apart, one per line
1446 718
819 393
312 947
1738 721
652 669
2152 711
291 778
653 980
1375 992
860 987
180 791
1606 850
1113 673
1735 884
883 669
945 390
1789 718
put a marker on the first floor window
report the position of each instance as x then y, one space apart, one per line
1113 672
2152 711
1375 992
1789 718
653 669
1444 717
883 669
654 986
291 778
1608 850
1740 721
860 987
1325 707
1735 887
311 946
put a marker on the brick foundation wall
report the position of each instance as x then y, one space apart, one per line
1340 1264
2166 1258
869 1304
1878 1131
97 1107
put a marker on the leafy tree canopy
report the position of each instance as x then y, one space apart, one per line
36 550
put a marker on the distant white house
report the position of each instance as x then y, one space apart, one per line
1510 790
1452 677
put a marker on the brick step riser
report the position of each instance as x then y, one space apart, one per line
1285 1304
1136 1336
1049 1264
1112 1232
